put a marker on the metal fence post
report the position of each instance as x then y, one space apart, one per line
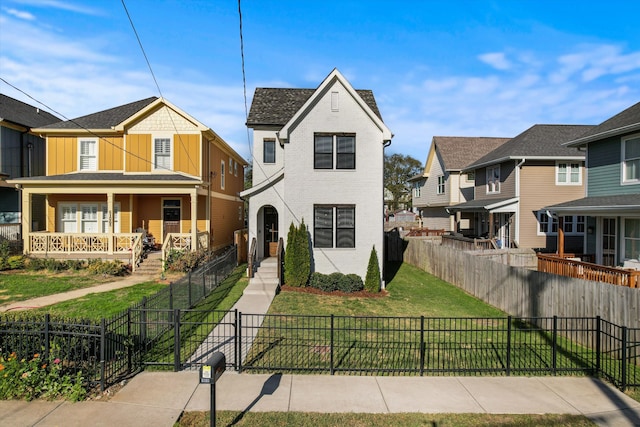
176 340
171 295
623 355
598 345
129 343
103 341
422 346
331 369
143 322
47 344
239 341
508 361
554 343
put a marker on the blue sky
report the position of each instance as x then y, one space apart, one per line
454 68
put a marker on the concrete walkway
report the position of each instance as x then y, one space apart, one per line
159 398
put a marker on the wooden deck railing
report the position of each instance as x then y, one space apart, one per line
424 232
467 243
588 271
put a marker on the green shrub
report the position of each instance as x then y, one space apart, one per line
372 280
336 282
109 268
37 378
16 262
184 261
4 255
352 283
322 282
297 257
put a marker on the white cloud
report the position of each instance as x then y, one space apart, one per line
19 14
497 60
62 5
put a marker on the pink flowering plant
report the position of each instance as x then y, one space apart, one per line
36 378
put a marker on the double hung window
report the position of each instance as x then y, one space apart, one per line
568 174
632 238
162 153
88 156
631 160
269 151
441 181
493 179
334 227
343 147
87 218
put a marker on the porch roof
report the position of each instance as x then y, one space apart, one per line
109 178
600 205
505 204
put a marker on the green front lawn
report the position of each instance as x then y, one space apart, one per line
22 285
411 293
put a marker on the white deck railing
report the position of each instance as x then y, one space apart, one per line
182 241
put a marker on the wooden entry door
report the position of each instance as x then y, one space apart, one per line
170 217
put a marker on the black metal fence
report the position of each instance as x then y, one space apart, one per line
116 347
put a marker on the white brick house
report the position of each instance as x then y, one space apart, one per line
318 157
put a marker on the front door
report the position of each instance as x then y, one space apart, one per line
608 241
170 217
270 231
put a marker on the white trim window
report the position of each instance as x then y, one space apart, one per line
493 179
324 147
631 238
568 173
571 224
222 177
87 218
162 153
631 160
68 217
417 189
330 221
88 154
440 188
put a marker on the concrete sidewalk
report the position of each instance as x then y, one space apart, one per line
159 398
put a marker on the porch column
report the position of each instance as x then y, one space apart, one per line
561 236
194 220
26 220
491 234
110 220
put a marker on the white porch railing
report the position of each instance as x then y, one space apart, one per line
182 241
83 244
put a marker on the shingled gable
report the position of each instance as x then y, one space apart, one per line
276 106
23 114
459 151
623 122
537 142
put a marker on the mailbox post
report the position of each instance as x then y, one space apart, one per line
209 374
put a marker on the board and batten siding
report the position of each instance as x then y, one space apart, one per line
187 153
62 155
538 189
111 153
138 154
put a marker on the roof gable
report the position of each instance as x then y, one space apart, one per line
539 142
21 113
457 151
625 121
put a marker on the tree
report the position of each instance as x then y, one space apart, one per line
297 257
372 280
398 169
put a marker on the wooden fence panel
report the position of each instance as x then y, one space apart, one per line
524 292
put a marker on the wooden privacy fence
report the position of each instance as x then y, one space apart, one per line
523 292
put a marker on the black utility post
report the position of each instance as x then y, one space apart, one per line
209 374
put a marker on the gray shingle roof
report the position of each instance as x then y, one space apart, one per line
275 106
112 176
626 201
104 119
621 121
458 151
23 114
537 141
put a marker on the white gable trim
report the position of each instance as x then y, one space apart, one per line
335 75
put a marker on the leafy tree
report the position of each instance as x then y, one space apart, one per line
372 281
398 169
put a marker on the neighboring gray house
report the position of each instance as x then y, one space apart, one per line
612 202
318 157
22 154
515 181
443 183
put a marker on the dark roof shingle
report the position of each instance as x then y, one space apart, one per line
23 114
623 120
538 141
275 106
104 119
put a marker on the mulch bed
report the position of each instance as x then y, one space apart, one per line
315 291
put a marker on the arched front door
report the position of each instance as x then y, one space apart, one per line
270 221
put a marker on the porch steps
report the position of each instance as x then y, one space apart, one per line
265 280
151 265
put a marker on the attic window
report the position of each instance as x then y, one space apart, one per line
335 101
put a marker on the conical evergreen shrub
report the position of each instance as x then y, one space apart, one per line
372 281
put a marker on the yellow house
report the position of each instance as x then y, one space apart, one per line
142 168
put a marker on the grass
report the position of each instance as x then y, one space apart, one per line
412 292
275 419
21 285
96 306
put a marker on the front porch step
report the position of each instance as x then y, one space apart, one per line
150 266
265 280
